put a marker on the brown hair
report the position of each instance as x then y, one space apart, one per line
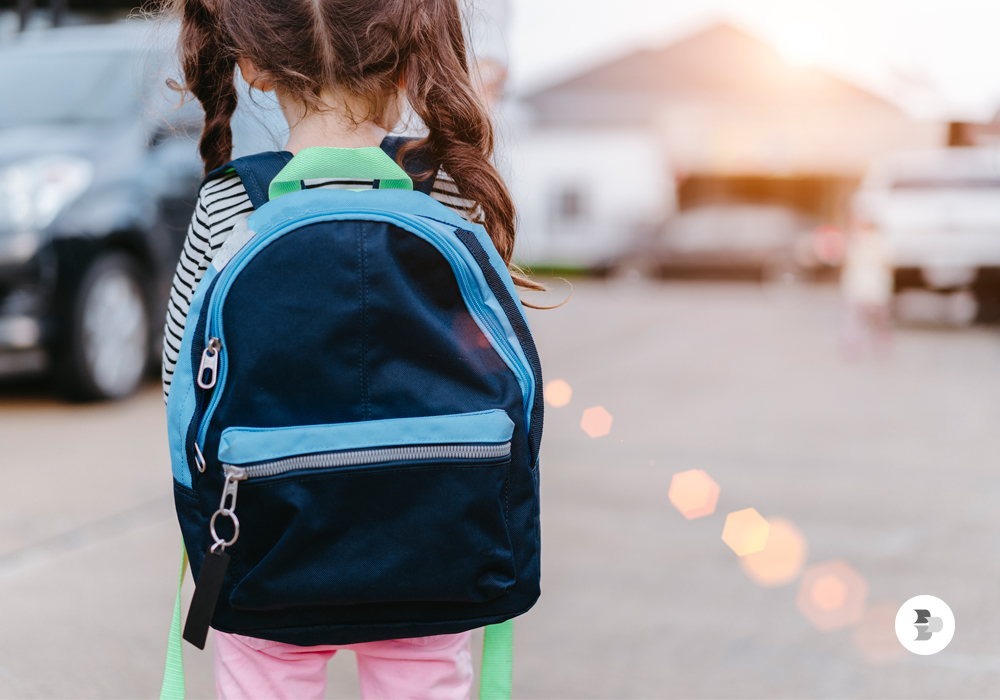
367 49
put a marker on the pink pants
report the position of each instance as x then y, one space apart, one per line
424 668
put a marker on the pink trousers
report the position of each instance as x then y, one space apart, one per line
424 668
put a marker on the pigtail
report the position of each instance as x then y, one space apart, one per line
460 134
209 61
368 49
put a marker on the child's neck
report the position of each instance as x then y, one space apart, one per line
328 128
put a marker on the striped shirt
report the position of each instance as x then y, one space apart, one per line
222 203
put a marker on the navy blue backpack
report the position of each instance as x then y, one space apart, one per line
355 417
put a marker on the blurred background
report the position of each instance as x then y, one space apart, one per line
772 397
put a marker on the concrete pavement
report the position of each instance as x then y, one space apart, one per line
890 465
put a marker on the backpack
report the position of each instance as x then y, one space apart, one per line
355 418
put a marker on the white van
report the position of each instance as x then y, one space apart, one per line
939 211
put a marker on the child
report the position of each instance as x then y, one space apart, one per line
343 70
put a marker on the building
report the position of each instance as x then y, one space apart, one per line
735 120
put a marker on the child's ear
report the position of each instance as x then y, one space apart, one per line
252 75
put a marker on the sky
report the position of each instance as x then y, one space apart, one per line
937 59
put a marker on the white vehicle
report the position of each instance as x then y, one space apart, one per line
586 198
939 211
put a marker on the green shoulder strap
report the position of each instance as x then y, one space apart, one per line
494 679
173 670
320 162
498 662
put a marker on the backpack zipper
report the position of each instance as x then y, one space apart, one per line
209 364
477 308
328 460
355 458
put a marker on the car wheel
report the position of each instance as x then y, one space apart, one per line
108 339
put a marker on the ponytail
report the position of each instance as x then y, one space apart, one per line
367 48
209 61
460 134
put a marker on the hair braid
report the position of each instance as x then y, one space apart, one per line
460 134
209 61
367 50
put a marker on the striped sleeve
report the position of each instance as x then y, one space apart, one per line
446 191
220 204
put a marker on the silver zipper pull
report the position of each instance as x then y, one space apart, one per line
199 458
234 475
227 508
209 364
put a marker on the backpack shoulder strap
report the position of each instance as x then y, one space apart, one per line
173 669
495 677
414 164
256 173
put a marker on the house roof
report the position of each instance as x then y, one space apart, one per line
720 62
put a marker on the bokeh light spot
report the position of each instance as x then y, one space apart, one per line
832 595
596 421
468 333
782 559
558 393
829 593
745 531
694 493
875 635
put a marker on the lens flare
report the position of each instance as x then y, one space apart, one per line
875 635
781 561
828 593
596 422
694 493
745 531
469 334
832 595
558 393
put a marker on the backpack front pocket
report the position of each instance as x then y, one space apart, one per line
400 510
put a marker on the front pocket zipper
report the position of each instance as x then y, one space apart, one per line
396 510
350 458
252 453
357 458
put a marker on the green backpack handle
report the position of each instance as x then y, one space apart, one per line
370 163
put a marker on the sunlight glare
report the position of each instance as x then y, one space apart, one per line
875 635
596 421
558 393
782 560
802 43
694 493
832 595
745 531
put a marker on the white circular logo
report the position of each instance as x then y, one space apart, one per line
925 624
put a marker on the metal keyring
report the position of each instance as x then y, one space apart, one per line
219 542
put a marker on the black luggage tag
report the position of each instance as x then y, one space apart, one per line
206 595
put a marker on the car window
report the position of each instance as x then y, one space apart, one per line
67 88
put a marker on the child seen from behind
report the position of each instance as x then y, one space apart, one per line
343 72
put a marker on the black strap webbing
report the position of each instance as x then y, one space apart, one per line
256 173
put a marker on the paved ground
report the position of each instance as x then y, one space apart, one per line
892 466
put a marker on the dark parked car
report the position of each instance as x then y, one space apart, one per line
98 177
